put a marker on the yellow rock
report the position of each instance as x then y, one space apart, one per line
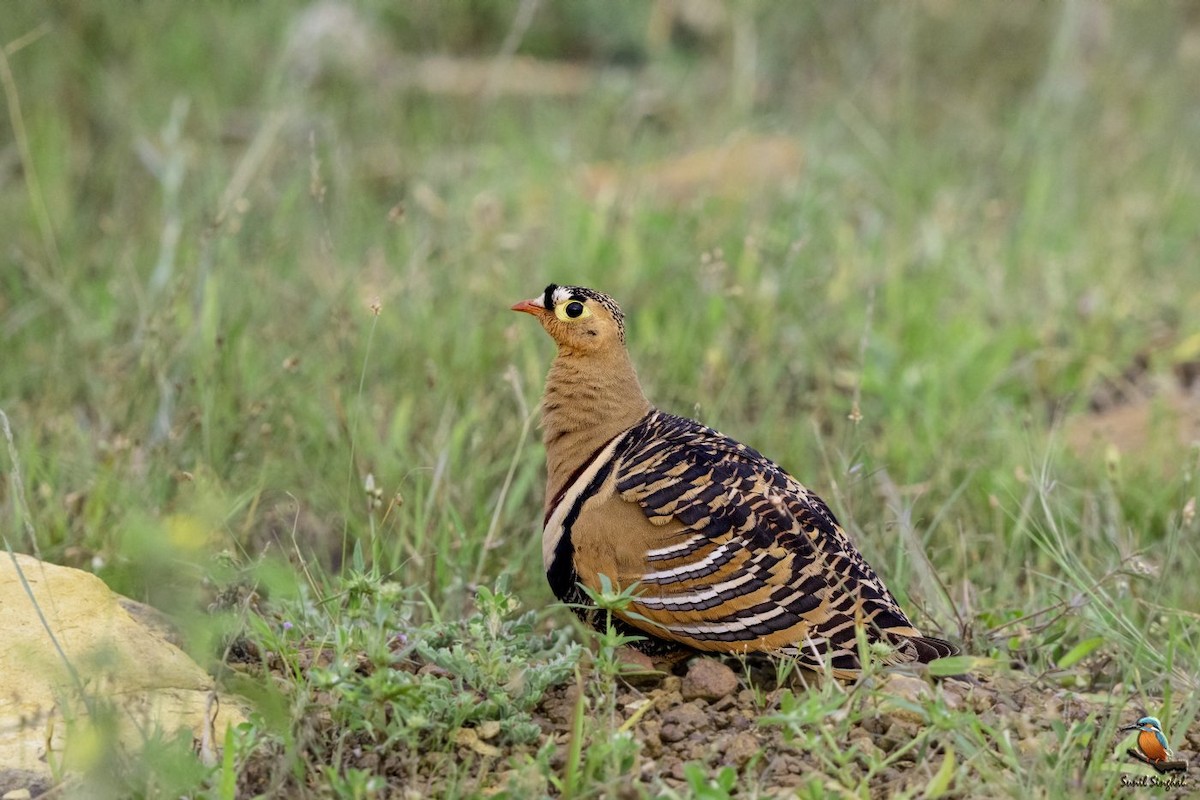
469 738
120 664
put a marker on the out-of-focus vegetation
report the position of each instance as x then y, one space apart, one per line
259 256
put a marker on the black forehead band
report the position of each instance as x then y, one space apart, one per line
581 295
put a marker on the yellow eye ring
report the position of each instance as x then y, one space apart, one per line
572 311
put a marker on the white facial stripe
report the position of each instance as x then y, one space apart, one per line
697 597
704 563
561 294
666 551
554 526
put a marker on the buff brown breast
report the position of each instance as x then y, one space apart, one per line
729 553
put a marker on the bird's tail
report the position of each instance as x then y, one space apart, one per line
929 648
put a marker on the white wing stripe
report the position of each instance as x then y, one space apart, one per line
735 624
704 563
666 551
698 597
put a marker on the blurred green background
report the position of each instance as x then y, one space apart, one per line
257 255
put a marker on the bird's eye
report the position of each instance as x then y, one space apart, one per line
572 310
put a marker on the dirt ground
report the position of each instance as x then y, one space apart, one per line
709 715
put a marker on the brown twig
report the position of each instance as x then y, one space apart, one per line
1161 767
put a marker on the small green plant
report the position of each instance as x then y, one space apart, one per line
605 757
354 784
703 787
386 683
490 666
802 718
608 600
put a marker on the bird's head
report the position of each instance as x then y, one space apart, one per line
579 320
1147 724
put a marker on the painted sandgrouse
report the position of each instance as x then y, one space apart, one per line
730 553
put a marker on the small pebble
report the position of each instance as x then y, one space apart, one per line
742 748
682 720
708 679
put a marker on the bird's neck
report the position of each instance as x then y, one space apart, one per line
589 399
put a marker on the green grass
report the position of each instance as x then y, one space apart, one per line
997 215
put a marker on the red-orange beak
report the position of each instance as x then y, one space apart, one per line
533 306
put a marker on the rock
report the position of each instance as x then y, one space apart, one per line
874 725
688 715
652 745
469 738
868 753
708 679
667 699
122 664
682 720
725 703
154 620
634 660
904 695
637 668
907 687
15 781
560 706
742 748
954 694
742 719
899 733
668 695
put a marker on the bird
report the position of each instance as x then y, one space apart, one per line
726 552
1150 739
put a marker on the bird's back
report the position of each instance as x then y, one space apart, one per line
730 552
